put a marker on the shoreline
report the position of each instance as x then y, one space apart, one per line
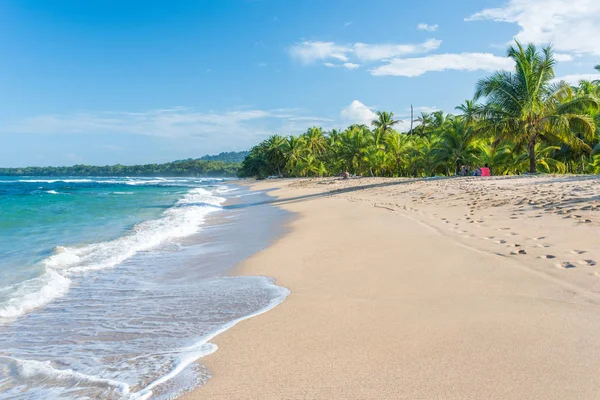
374 313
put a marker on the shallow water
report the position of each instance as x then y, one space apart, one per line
114 290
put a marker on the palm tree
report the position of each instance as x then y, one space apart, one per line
275 152
456 143
528 108
385 121
310 166
355 144
295 148
315 141
496 157
397 145
425 119
469 111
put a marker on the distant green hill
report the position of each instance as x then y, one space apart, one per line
220 165
230 156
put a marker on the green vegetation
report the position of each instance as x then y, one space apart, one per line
519 121
228 157
176 168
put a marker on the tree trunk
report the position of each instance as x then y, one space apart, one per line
532 159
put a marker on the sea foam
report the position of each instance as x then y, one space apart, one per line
183 219
33 293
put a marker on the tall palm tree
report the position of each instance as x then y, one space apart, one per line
275 152
438 118
397 145
356 141
295 148
425 119
469 111
456 143
385 121
527 107
315 141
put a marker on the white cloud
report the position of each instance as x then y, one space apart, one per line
350 65
427 27
230 128
376 52
570 25
575 78
348 23
347 65
563 57
310 51
442 62
358 113
424 109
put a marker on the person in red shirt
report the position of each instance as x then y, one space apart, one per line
485 171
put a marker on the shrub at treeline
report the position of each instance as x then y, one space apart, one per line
177 168
520 121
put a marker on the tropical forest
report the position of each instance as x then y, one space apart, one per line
519 121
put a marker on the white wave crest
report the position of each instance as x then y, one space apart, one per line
225 189
54 180
183 219
25 370
33 293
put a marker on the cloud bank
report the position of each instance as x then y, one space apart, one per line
570 25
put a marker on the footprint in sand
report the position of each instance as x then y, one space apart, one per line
500 241
503 229
587 263
548 256
566 265
577 251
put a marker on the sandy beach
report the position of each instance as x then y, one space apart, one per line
458 288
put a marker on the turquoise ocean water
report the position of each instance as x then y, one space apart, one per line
112 287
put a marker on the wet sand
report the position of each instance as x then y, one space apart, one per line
463 288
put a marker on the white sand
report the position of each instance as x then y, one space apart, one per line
466 288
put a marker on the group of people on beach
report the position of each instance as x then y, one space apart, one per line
465 170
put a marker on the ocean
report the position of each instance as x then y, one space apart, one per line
111 288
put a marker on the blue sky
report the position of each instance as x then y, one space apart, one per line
103 82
